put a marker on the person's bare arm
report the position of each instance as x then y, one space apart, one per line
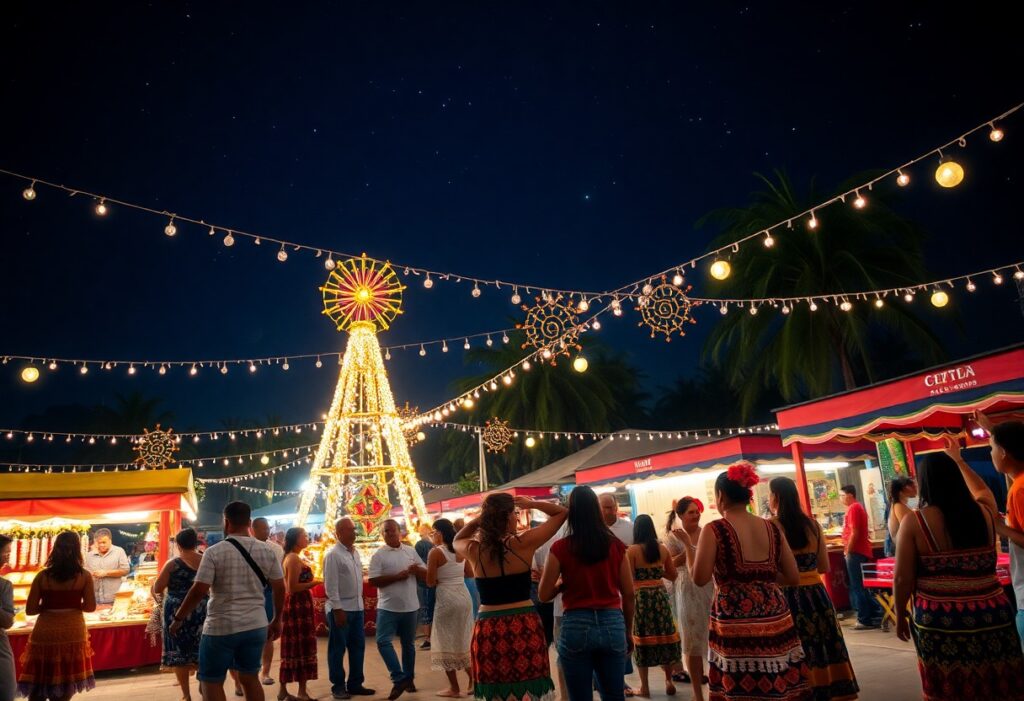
466 537
196 593
160 583
88 594
628 600
670 567
536 537
702 566
434 560
548 588
979 490
905 575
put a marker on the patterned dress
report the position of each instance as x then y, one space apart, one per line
655 634
963 626
831 673
298 634
755 652
181 650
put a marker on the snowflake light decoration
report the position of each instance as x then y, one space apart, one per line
156 448
496 435
666 309
551 325
362 290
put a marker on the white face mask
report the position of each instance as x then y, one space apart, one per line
913 502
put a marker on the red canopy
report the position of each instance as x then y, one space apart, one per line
920 406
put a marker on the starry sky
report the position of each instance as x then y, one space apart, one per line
560 145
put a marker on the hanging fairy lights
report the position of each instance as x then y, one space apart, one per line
690 434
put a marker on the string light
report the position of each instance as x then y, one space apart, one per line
768 241
812 223
580 364
996 134
860 202
902 179
101 208
30 374
282 255
428 282
29 193
939 299
720 269
229 240
171 229
949 174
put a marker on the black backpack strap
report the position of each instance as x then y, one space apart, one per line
252 563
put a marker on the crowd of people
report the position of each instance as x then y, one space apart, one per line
742 593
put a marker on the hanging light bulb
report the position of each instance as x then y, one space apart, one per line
1018 274
329 263
101 208
580 364
909 297
812 223
468 404
859 202
546 353
785 309
753 309
131 369
428 282
171 229
720 269
971 287
939 299
527 365
52 365
489 342
530 441
647 289
84 369
596 325
902 179
465 346
29 193
252 367
813 306
504 337
768 241
879 303
724 309
193 370
282 255
387 354
229 240
162 370
29 374
678 279
997 279
285 365
476 290
507 380
583 305
845 305
996 134
516 299
949 174
319 363
444 346
423 351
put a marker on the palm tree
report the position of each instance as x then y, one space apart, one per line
553 398
811 353
707 400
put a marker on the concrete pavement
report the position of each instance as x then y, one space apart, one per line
886 670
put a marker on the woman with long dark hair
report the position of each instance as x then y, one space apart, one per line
452 632
902 498
963 623
655 634
597 598
8 683
57 663
831 674
509 651
181 649
755 651
693 602
298 632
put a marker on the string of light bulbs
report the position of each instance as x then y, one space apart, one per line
256 475
239 458
161 367
196 436
634 434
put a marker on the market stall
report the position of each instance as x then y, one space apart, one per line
655 481
41 505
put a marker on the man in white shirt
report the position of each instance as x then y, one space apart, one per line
343 580
621 527
394 569
234 572
108 565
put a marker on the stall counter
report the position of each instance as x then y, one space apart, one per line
115 645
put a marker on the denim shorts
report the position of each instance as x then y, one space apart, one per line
240 651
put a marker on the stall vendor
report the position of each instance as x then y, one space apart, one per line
108 564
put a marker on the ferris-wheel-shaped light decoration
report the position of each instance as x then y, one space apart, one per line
362 290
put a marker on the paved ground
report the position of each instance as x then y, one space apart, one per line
886 669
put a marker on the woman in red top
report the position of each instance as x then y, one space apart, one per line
57 662
597 597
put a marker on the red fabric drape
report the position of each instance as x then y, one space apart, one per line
75 507
116 647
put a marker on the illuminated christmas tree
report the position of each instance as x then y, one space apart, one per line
363 450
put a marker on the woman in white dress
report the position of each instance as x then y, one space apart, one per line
694 602
452 633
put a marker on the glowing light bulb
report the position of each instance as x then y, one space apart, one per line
580 364
285 365
996 134
29 374
1018 275
768 241
423 351
753 309
647 289
171 229
530 441
101 208
596 325
997 279
468 404
939 299
860 202
527 365
252 368
546 353
421 436
813 306
812 223
29 193
229 240
329 263
52 366
516 299
476 291
282 255
465 346
723 310
84 369
507 379
162 370
949 174
909 297
678 279
583 306
319 363
720 269
428 282
265 460
131 369
879 303
902 179
193 370
971 287
785 309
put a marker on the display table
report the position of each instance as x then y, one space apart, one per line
369 608
115 645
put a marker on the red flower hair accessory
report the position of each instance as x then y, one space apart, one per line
700 505
743 474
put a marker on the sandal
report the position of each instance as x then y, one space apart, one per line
681 677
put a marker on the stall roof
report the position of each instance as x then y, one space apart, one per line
131 496
712 453
922 405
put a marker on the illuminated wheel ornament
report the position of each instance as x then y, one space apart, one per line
497 436
666 310
551 325
362 290
156 448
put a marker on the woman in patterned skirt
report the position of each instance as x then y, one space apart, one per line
298 634
832 675
57 663
181 650
655 635
963 623
755 652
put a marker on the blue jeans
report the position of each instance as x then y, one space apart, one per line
592 643
347 638
1020 626
241 651
868 611
390 624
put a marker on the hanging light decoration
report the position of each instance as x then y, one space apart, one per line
949 174
720 269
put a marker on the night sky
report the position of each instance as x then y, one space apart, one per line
572 147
